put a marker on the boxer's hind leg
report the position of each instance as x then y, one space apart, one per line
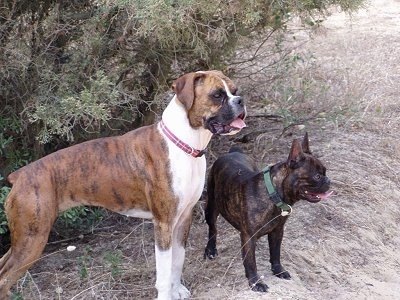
30 222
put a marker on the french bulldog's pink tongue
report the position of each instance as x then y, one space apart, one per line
238 123
325 195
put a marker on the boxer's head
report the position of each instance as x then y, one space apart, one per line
211 101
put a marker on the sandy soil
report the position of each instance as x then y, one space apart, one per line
346 247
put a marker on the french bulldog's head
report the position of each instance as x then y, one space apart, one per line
306 174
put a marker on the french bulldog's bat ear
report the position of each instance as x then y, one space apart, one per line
305 144
184 86
296 154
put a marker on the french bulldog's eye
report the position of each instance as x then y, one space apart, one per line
317 177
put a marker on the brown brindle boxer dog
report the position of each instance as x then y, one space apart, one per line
155 172
257 203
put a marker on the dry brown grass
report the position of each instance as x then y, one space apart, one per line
343 248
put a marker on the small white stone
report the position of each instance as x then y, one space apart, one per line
71 248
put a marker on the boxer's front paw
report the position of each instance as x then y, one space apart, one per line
210 253
180 292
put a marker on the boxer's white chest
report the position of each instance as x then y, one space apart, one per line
188 176
188 172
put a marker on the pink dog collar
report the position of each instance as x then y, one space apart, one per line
185 147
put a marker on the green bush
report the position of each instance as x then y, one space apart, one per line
13 154
68 70
81 217
4 190
59 112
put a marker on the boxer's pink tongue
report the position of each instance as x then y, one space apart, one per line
238 123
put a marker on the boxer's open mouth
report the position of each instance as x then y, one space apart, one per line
220 128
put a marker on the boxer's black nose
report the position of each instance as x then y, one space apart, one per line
238 100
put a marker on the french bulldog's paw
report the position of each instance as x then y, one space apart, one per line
284 275
180 292
280 272
259 287
210 253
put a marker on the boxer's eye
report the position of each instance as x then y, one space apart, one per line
218 95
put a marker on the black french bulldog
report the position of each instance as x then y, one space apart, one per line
257 202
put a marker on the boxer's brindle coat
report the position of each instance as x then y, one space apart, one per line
237 190
141 174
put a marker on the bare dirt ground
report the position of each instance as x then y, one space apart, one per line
346 247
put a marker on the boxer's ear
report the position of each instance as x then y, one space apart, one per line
184 86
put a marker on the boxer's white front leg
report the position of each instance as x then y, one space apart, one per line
179 291
180 235
163 266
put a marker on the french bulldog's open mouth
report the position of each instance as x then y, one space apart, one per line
235 126
316 197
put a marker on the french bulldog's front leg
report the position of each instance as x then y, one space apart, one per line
249 262
275 241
